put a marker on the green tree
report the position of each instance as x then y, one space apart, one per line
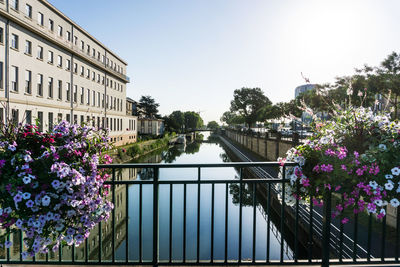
249 103
148 107
212 125
192 120
176 121
231 118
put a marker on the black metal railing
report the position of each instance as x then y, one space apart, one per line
299 234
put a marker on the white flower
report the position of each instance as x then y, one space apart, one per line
45 200
26 180
383 211
388 176
324 140
378 202
27 158
373 184
395 202
396 171
382 147
11 147
389 186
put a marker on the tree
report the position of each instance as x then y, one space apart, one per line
148 107
176 121
192 120
248 103
212 125
231 118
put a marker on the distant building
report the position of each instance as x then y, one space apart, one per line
151 126
303 88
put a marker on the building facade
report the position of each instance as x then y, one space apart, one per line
151 126
51 69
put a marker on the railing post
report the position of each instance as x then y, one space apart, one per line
326 232
155 217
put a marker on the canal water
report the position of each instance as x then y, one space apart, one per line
203 152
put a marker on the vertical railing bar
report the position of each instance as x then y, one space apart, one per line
21 242
397 233
100 242
184 223
254 222
60 253
355 237
170 222
155 217
310 231
86 251
240 215
127 224
341 237
326 231
282 221
73 253
47 257
369 237
226 223
198 215
140 222
113 216
268 221
296 229
8 249
212 222
383 236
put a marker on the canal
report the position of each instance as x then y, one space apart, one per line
210 151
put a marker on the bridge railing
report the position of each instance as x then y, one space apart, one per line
114 241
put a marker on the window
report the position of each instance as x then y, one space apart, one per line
93 76
40 19
82 95
28 11
40 85
82 45
98 99
75 67
75 40
50 57
68 63
14 78
28 47
88 96
15 116
82 120
60 31
102 80
68 93
51 25
14 41
102 101
28 116
98 78
1 116
1 35
88 73
40 120
94 98
59 117
68 36
1 75
28 82
59 61
59 95
14 4
75 93
98 55
50 121
50 83
82 70
88 49
40 52
75 119
93 52
68 117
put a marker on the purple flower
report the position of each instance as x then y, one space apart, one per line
30 203
18 198
8 244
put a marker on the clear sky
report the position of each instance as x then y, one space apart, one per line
192 54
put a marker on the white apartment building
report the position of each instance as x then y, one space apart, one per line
51 69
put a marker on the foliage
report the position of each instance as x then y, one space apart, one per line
248 103
212 125
231 118
192 120
175 121
355 154
50 186
148 107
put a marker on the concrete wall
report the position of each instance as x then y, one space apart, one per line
266 147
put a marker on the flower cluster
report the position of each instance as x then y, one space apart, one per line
50 186
356 155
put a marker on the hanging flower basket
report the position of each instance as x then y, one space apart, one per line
50 186
355 155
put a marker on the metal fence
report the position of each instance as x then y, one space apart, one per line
329 238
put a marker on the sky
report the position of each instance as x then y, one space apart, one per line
190 55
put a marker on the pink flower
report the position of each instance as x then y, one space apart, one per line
327 167
345 220
359 172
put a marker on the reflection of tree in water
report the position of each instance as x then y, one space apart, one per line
212 138
171 154
199 137
192 148
247 194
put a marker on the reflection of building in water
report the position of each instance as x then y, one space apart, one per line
93 240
